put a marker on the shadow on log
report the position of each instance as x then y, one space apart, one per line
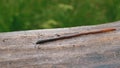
100 50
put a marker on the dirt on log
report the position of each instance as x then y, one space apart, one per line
101 50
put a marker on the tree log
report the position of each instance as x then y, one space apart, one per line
101 50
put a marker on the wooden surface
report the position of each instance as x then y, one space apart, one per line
18 49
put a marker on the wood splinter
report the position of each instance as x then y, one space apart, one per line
75 35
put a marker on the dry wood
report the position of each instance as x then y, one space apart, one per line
19 49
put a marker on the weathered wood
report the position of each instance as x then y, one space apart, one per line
18 49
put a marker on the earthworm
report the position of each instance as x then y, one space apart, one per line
75 35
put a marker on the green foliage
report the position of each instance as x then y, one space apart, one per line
18 15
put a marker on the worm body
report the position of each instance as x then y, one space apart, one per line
75 35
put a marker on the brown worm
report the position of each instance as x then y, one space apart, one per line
70 36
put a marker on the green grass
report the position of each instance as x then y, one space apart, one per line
18 15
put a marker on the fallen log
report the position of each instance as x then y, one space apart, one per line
100 50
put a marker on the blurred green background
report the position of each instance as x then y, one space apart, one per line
16 15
